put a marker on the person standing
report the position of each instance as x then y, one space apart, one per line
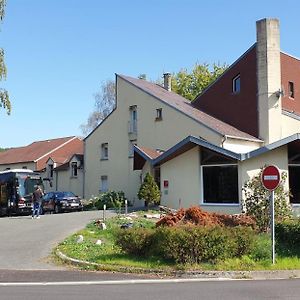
37 202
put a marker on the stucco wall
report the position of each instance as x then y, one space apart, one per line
183 176
150 133
240 146
29 165
289 126
65 182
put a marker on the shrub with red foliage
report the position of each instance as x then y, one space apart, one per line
195 215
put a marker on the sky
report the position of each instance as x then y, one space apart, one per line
58 52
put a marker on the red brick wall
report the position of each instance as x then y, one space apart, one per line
238 110
290 71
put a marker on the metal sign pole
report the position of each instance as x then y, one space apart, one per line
272 198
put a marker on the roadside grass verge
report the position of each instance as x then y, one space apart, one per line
110 257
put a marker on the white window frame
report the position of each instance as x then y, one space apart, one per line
234 86
133 119
291 87
202 187
74 163
104 178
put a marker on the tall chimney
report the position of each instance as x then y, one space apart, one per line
268 79
167 81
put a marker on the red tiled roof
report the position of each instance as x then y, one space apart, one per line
184 105
40 151
151 153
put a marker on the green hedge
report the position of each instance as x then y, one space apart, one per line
187 244
287 236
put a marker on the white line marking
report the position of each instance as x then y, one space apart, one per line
113 282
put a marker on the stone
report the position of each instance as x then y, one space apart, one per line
99 242
102 226
79 239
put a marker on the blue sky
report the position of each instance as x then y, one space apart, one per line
58 52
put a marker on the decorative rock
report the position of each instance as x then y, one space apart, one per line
99 242
102 226
127 225
80 239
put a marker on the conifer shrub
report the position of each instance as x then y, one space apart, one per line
149 191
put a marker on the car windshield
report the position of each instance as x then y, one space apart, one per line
64 194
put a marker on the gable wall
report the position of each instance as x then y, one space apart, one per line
150 133
219 101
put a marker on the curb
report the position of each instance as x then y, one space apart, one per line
255 275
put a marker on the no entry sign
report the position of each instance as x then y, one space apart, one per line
270 177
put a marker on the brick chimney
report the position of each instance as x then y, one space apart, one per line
167 81
268 79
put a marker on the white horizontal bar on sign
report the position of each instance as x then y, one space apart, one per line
270 177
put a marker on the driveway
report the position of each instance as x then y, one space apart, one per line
26 243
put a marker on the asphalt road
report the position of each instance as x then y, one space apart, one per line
26 243
212 290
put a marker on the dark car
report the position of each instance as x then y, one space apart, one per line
61 201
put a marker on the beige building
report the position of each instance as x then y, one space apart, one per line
202 153
149 115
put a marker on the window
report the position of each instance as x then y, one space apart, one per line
158 114
236 84
291 90
220 184
131 145
104 151
104 184
50 171
133 119
74 168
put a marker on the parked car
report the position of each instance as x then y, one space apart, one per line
61 201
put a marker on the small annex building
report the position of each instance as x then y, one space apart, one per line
59 161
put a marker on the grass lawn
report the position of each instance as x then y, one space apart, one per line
110 256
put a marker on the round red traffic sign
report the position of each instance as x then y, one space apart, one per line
270 177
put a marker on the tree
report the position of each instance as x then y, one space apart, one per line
105 102
190 84
149 190
4 97
257 204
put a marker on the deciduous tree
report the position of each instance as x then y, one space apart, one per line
190 84
105 102
4 97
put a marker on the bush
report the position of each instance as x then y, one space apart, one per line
195 215
257 204
287 235
135 241
262 248
111 199
190 244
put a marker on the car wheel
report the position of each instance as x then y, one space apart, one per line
56 209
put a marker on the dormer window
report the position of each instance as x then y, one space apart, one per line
291 89
236 84
50 171
74 169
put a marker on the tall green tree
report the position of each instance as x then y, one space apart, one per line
4 97
189 84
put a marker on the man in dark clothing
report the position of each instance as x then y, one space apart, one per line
37 202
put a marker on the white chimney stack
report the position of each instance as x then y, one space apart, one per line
167 81
268 79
